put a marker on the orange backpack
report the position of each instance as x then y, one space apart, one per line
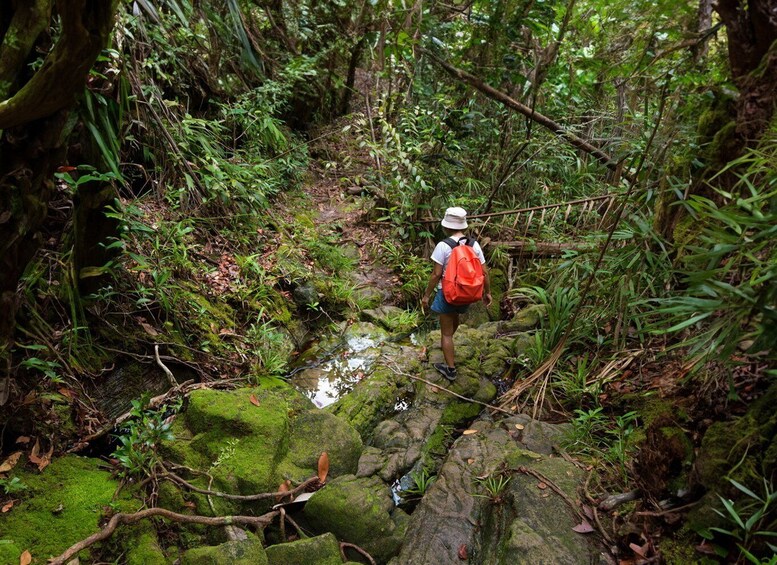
462 282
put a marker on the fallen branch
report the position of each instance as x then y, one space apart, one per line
123 518
397 371
363 553
168 372
183 388
540 248
530 113
615 500
261 496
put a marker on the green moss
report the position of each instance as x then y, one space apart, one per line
459 412
370 401
145 550
334 508
245 552
519 457
63 505
321 550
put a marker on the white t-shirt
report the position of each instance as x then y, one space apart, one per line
442 253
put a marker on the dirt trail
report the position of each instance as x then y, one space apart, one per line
350 215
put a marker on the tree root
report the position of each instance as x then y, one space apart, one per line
123 518
344 545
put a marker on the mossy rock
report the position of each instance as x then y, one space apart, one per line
746 442
314 431
371 401
243 552
145 550
358 510
62 505
390 318
320 550
250 449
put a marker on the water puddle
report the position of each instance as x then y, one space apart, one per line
336 374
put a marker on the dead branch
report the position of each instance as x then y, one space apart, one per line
123 518
540 248
397 371
344 545
513 104
168 372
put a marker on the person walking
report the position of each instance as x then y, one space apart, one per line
453 223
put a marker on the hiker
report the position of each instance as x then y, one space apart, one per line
454 223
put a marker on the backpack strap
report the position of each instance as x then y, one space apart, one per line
454 243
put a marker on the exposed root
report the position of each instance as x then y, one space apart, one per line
122 518
344 545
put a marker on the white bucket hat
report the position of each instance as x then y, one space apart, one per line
455 219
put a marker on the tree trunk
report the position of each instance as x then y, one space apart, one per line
35 126
751 27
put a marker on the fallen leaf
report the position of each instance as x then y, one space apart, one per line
25 558
435 389
519 426
640 550
254 400
35 451
463 552
66 392
23 439
285 486
8 505
190 504
150 330
469 432
470 461
588 511
542 486
46 459
323 467
10 462
583 528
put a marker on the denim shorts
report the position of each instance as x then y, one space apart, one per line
442 307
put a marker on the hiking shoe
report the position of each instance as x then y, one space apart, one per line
447 372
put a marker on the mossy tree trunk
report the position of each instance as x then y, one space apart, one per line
35 123
751 29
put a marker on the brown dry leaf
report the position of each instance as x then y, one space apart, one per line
470 461
46 459
519 426
7 506
23 439
254 400
10 462
284 487
25 558
435 389
641 550
67 392
150 330
34 453
541 485
323 467
583 528
463 552
469 432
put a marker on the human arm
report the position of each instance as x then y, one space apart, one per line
434 279
486 287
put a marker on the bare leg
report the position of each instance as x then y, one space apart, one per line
448 325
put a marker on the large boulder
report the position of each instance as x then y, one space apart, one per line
59 507
320 550
359 511
482 501
251 440
243 552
